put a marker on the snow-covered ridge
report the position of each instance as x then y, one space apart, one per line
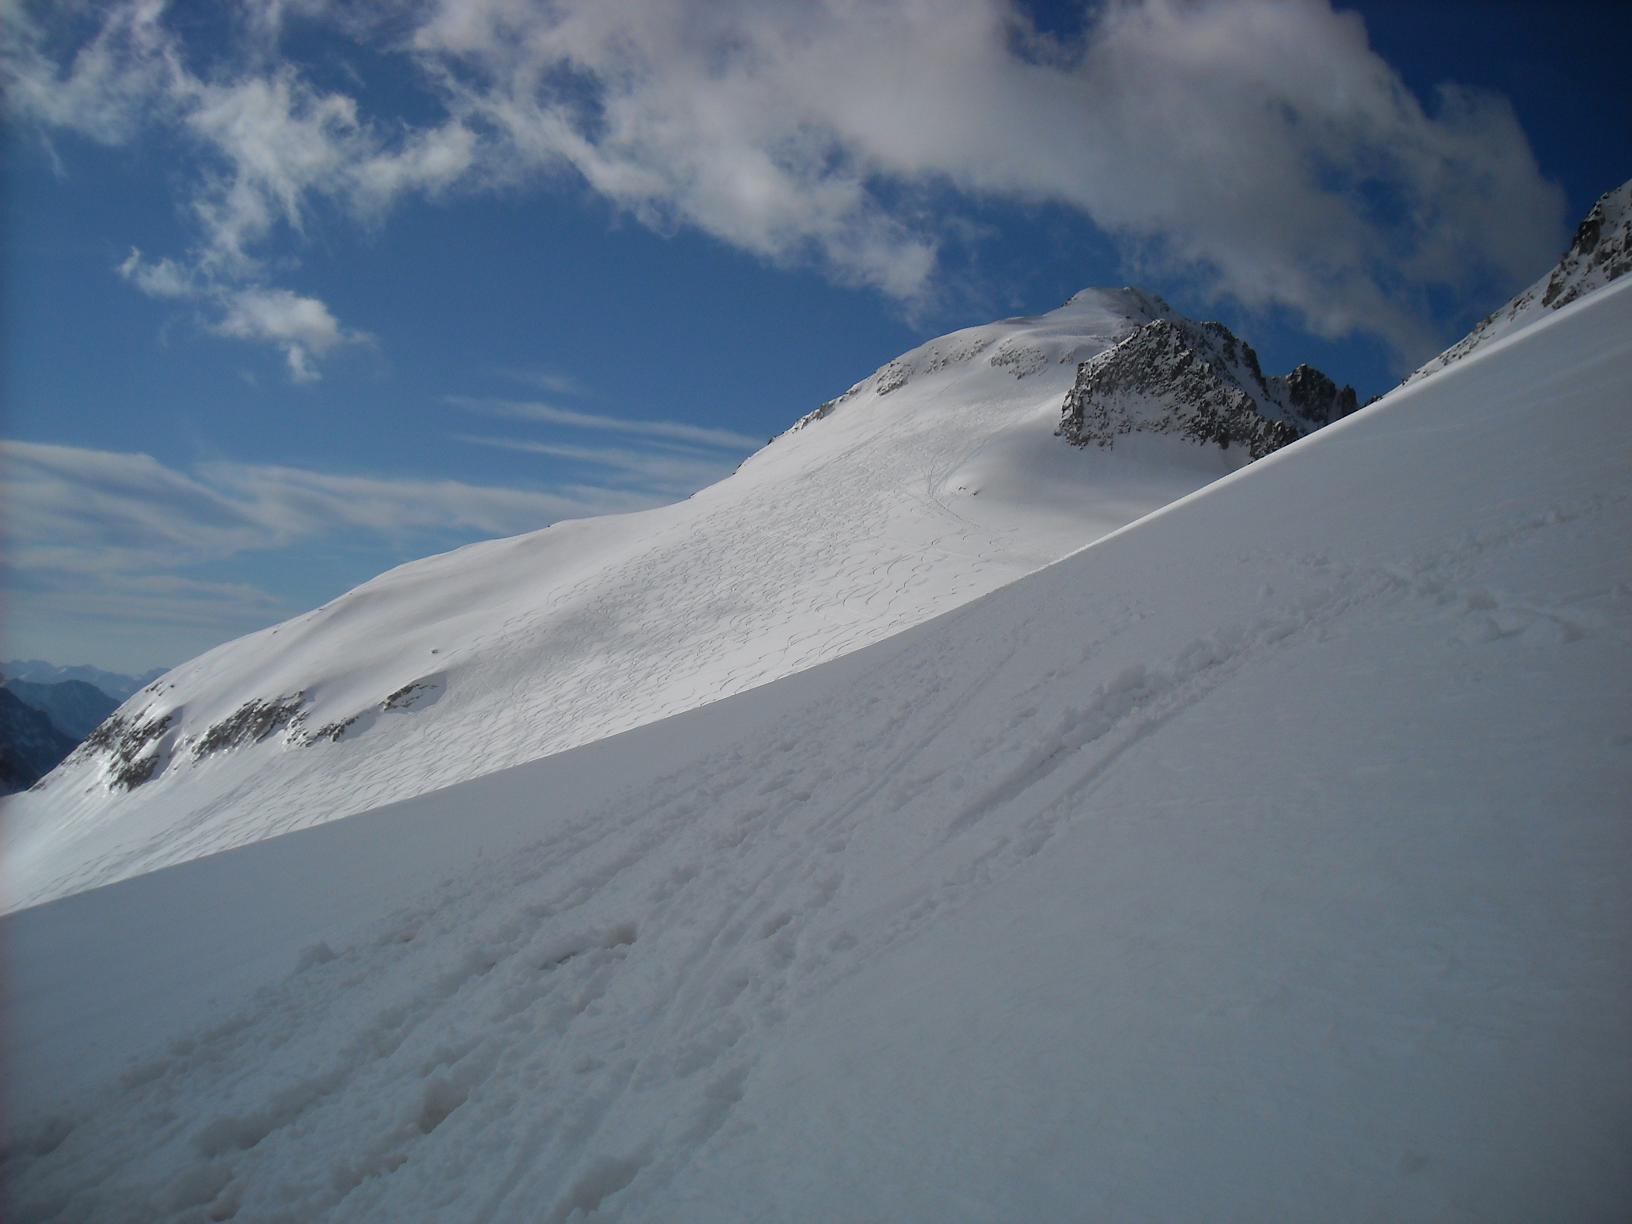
1090 322
936 479
1600 252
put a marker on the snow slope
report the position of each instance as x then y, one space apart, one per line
933 481
1268 859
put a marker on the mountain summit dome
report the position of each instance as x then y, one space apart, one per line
936 479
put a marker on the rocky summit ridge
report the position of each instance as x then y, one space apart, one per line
1600 252
1198 382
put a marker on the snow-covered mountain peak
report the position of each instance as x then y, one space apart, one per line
935 480
1129 301
1092 321
1600 252
1267 860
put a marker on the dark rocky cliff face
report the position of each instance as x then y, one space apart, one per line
1201 383
1315 399
1601 251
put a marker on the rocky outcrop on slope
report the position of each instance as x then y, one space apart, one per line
1600 252
1198 382
133 748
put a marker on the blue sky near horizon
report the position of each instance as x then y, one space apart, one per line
433 291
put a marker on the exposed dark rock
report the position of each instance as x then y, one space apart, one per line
1198 382
1019 359
816 414
1601 251
1316 399
334 730
409 695
251 723
132 745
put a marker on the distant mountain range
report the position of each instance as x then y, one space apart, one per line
74 707
115 684
30 746
70 710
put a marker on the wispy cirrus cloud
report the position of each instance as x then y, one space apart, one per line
1258 148
119 543
87 511
551 414
553 382
123 548
162 598
678 472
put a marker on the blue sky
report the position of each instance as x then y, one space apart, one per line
296 290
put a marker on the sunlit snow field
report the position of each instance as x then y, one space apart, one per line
937 480
1268 859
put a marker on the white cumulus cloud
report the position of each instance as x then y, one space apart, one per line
301 326
1258 149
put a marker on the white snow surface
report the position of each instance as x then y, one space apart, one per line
1268 859
935 480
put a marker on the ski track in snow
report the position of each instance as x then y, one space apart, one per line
587 1019
618 977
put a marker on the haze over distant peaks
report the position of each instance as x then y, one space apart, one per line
114 684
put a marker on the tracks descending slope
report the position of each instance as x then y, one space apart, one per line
1268 859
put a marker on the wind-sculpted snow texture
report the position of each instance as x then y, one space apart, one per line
1199 383
1600 253
933 481
1267 860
